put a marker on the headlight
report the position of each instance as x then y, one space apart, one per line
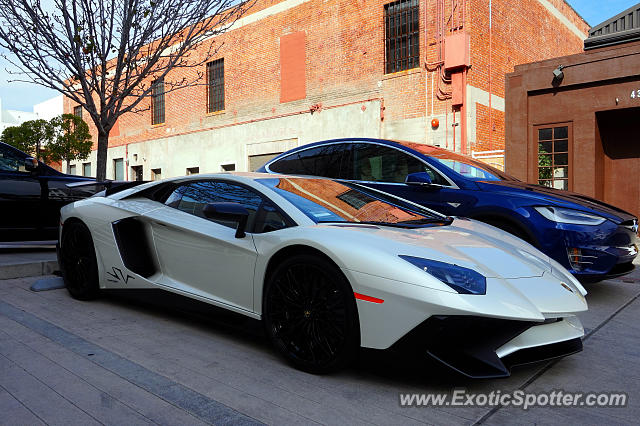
560 215
462 280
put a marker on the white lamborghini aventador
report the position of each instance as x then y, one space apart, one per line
328 266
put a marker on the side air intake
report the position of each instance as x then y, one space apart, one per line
134 246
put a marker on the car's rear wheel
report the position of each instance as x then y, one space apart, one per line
310 314
79 265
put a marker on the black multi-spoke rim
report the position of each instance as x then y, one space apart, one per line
308 315
77 255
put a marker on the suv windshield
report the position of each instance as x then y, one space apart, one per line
469 170
325 200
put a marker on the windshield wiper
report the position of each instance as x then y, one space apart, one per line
405 224
446 220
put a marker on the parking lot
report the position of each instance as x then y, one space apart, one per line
137 360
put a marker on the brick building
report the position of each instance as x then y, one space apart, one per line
291 72
572 121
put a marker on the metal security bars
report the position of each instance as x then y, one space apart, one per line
157 101
402 35
215 85
77 111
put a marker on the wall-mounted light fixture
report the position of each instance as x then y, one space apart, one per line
558 75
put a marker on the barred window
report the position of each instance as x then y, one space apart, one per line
77 111
157 101
215 85
402 35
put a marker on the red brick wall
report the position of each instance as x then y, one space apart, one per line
522 31
345 63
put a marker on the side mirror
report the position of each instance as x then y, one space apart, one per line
228 211
30 164
420 179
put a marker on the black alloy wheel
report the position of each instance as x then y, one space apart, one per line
79 266
310 314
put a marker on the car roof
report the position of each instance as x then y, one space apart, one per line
424 149
241 175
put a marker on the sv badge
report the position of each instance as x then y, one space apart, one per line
118 276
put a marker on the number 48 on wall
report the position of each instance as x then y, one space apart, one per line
635 94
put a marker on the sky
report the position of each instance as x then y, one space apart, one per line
22 96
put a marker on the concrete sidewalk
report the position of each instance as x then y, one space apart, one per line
127 361
18 262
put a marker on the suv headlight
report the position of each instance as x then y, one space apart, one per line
462 280
576 217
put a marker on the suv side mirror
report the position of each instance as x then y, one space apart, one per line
31 164
420 179
229 211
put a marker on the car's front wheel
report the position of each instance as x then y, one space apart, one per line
310 314
78 258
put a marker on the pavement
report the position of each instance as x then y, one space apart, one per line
26 262
132 359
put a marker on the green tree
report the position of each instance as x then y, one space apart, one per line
545 171
29 137
70 139
14 136
103 55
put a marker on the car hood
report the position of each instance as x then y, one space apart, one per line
555 197
521 280
470 244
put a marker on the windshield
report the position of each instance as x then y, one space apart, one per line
467 167
324 200
468 170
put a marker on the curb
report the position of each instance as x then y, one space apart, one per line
28 269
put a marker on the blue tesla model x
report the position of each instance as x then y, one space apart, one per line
591 239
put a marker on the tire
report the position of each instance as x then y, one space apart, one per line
310 314
78 262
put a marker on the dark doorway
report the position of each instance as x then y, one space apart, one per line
136 173
620 140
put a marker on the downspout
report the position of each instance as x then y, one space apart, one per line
426 73
490 78
463 115
454 129
463 109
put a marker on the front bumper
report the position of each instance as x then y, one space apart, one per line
603 251
481 347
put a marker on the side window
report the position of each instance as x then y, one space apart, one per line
192 198
326 161
270 219
11 161
196 196
377 163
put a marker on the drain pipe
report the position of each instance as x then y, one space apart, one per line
490 78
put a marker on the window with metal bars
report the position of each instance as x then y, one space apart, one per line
157 101
77 111
402 35
215 85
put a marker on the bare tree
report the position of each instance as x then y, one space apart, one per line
104 54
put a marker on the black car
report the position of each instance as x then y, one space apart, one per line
31 195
